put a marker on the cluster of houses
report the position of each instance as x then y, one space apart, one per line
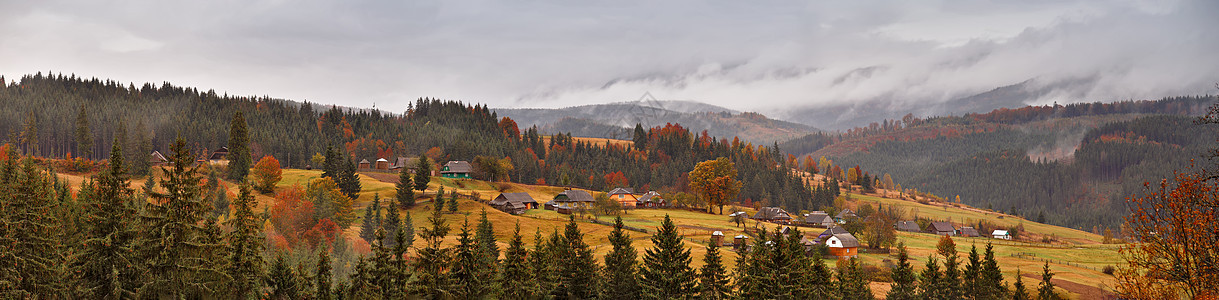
840 242
218 157
571 201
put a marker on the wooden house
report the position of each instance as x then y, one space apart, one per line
624 197
650 199
513 203
942 228
219 157
910 226
156 159
819 218
456 169
381 164
969 232
843 245
1001 234
830 232
404 162
844 215
569 200
773 215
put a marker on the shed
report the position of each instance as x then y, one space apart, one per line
969 232
364 164
513 203
1001 234
845 214
942 228
717 237
381 164
156 159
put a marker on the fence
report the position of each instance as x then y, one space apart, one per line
1031 256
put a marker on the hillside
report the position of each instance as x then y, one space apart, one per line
616 120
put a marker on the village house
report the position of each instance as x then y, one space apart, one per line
404 162
910 226
156 159
830 232
650 199
456 169
843 245
569 200
624 197
773 215
942 228
1002 235
969 232
819 218
844 215
513 203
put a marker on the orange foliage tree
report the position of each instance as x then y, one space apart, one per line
715 180
267 174
1176 226
292 215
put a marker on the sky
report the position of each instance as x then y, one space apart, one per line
764 56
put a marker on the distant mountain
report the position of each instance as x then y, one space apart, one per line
616 120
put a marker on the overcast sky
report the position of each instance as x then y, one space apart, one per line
763 56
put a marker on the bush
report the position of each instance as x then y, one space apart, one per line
1108 270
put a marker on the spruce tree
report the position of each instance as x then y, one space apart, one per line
105 267
239 156
423 173
401 272
990 282
487 250
245 243
516 278
970 280
383 272
453 201
431 280
750 271
172 248
84 138
468 270
621 275
540 263
282 280
1045 291
851 281
952 275
666 271
713 277
405 189
931 282
903 287
390 223
30 254
322 288
577 271
408 231
371 221
349 181
143 148
1019 292
333 164
363 282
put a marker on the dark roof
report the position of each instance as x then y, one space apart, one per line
515 200
942 226
908 226
407 162
574 196
458 166
847 239
818 217
833 231
218 155
845 213
646 197
224 149
969 231
621 191
771 213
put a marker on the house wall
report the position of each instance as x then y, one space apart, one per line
843 252
627 200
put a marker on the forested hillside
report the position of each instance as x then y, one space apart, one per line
60 115
1067 165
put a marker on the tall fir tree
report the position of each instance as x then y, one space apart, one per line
487 249
969 278
750 273
952 273
282 280
245 247
390 223
851 281
405 189
423 173
990 282
401 272
408 231
1019 292
666 271
84 137
322 288
333 164
516 278
431 280
239 156
713 278
468 270
105 267
577 272
31 253
383 270
172 247
371 221
540 263
1045 291
903 287
931 282
349 180
621 266
363 282
143 148
453 201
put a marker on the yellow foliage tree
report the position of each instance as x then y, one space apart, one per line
715 180
329 202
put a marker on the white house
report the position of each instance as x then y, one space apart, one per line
1001 234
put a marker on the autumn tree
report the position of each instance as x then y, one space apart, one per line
267 174
1177 225
715 180
329 202
239 148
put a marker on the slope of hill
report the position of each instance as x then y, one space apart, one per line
615 120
